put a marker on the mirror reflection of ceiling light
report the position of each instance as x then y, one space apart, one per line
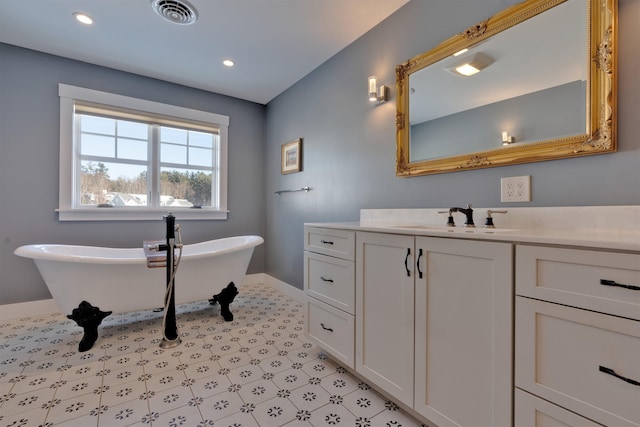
84 18
228 62
471 65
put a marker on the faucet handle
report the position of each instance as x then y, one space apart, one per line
489 221
450 222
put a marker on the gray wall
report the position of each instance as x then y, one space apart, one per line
29 147
349 144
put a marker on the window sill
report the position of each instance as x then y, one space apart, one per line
133 214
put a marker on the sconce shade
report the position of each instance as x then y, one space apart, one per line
506 139
376 93
373 88
471 65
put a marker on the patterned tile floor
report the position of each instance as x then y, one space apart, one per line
259 370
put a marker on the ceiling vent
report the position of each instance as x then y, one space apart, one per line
178 12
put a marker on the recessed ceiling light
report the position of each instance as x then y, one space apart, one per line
229 62
84 18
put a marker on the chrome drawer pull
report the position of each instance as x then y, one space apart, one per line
620 285
613 373
326 242
325 328
326 280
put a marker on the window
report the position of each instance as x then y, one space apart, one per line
126 158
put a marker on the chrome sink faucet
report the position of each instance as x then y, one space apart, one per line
468 212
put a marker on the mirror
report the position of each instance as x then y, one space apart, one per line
539 95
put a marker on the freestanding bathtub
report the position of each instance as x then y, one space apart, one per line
89 283
119 280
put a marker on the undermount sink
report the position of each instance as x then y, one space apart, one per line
470 230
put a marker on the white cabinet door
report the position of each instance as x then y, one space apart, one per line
464 319
384 312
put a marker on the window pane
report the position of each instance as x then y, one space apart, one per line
170 153
113 183
177 136
200 139
98 125
95 145
127 152
133 129
200 157
180 187
134 149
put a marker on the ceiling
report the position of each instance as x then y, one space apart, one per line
274 43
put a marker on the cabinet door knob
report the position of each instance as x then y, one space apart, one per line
620 285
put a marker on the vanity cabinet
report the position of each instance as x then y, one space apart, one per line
434 325
329 275
577 335
479 328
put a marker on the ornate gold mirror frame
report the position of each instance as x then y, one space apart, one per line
601 97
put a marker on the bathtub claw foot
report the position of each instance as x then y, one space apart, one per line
224 298
89 318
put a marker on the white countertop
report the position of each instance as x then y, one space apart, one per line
601 227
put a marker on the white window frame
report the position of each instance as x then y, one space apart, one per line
69 157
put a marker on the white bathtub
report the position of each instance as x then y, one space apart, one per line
119 280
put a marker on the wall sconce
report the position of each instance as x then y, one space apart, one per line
507 139
471 65
376 93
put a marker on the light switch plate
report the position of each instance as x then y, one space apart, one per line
515 189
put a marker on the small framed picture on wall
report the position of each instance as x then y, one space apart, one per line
291 158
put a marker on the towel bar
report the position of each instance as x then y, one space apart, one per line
305 189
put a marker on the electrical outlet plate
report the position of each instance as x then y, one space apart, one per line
515 189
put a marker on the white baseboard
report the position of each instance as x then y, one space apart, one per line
285 288
253 279
29 308
47 306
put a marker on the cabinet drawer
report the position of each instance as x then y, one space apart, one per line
562 354
330 280
573 277
336 243
332 329
535 412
